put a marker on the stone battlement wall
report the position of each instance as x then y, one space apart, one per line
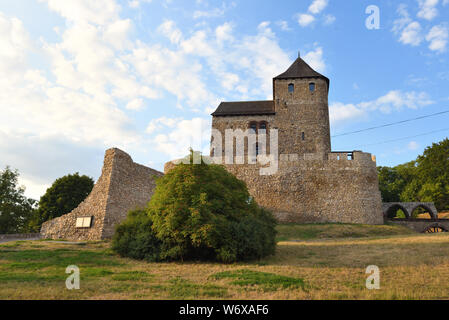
304 191
122 186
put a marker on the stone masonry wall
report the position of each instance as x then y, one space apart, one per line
302 111
309 190
122 186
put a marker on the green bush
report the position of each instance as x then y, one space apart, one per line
198 212
134 238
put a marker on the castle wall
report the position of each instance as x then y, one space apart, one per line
308 189
122 186
242 123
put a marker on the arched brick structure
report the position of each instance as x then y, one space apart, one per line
409 208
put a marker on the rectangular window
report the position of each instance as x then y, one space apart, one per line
303 136
312 87
84 222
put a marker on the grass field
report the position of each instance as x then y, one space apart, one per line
322 262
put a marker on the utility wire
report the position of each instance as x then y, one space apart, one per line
404 138
391 124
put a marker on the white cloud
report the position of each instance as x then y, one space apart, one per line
184 134
329 19
305 19
395 100
157 124
413 145
213 13
283 25
98 12
340 112
217 12
411 34
438 37
136 104
169 29
258 57
136 3
315 59
14 44
317 6
409 31
427 9
224 32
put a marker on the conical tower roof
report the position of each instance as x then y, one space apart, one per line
300 69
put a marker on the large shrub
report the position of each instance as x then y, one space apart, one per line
200 212
135 238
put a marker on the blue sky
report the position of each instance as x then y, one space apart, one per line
78 76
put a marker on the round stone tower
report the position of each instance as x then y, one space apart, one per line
302 111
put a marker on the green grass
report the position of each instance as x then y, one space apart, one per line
180 288
264 280
131 275
325 262
59 257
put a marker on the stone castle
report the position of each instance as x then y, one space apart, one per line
311 183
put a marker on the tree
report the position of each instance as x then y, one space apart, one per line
15 208
426 179
65 194
199 212
390 184
433 172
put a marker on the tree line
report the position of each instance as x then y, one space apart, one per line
19 214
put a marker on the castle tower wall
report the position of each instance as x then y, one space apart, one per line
302 116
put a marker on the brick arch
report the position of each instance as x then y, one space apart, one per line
395 206
436 225
433 213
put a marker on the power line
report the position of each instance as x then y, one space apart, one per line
404 138
391 124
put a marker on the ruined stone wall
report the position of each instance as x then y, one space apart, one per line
122 186
308 189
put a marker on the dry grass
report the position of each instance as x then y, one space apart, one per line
443 215
413 266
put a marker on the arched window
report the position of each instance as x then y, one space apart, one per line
312 86
263 126
291 87
253 126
